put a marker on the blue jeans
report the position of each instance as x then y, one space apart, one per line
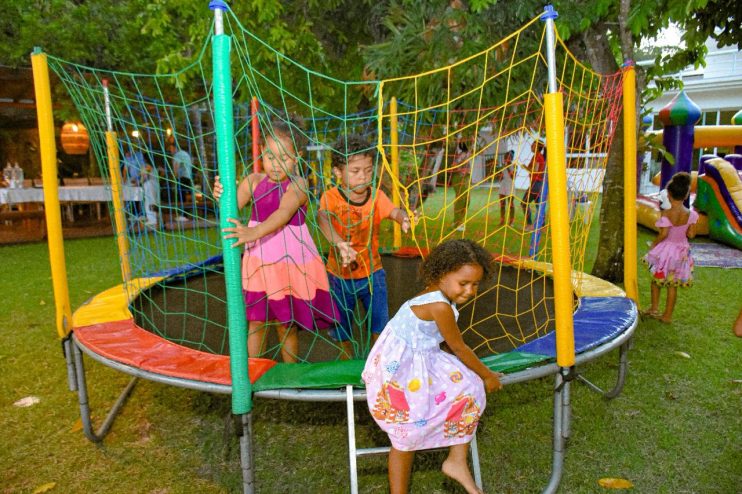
373 295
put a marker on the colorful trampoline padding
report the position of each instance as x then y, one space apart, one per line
105 327
128 344
596 321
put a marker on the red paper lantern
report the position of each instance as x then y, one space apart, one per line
75 139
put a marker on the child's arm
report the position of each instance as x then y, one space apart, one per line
443 316
691 233
347 253
400 216
662 235
292 200
244 189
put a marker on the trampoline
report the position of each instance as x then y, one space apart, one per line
142 346
178 316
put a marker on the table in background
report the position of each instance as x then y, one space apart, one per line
69 195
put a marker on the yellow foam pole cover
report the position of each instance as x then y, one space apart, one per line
395 167
559 227
117 193
48 151
629 182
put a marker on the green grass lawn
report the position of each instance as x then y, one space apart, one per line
676 428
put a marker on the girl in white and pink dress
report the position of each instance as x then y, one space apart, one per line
422 396
669 258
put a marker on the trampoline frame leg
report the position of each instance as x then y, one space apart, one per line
561 429
82 396
623 366
70 361
247 460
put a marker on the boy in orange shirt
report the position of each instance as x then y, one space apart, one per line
349 217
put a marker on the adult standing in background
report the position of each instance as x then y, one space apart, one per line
133 163
461 183
183 171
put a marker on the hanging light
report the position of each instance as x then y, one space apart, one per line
74 138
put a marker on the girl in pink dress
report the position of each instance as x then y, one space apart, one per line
669 258
422 396
284 279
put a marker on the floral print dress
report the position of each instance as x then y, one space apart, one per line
421 396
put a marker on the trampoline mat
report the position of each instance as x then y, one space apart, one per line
192 312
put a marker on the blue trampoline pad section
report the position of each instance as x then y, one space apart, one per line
596 321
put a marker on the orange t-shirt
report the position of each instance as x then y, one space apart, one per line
357 223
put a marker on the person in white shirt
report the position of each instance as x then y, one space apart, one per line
151 184
183 171
507 188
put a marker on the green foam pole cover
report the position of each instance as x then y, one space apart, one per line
223 120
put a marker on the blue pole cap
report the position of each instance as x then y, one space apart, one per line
218 4
628 63
549 13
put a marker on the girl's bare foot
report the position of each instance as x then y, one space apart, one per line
461 474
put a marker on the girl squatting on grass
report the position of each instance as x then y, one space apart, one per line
422 396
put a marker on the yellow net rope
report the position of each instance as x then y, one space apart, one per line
479 171
461 149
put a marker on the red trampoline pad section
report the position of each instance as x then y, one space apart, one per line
127 343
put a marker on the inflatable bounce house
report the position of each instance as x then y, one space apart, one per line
716 190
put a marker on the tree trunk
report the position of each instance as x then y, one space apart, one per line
609 261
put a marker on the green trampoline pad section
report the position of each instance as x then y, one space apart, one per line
336 374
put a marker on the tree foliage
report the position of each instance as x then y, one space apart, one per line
351 40
605 32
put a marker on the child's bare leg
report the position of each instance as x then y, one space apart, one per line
289 343
255 338
400 469
672 296
655 297
348 352
503 209
738 325
456 467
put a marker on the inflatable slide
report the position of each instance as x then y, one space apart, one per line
719 197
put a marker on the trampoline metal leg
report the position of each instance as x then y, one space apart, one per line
352 453
82 396
566 418
246 454
561 423
70 360
476 467
623 366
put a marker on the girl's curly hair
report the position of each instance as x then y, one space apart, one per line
450 256
287 125
350 145
679 186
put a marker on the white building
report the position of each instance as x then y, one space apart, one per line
715 88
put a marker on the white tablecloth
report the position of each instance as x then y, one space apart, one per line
73 193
